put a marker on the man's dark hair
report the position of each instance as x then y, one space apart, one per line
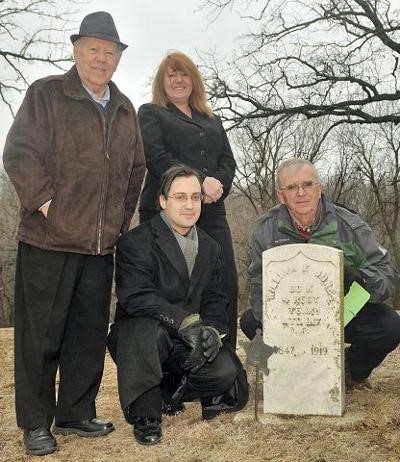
176 171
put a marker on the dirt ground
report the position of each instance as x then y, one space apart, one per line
368 432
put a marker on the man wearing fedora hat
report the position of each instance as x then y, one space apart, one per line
74 154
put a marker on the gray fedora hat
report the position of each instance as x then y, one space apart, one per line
99 25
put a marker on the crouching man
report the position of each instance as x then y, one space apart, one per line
306 215
170 325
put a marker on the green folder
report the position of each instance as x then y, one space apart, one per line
354 300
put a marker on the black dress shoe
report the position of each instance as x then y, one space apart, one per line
39 441
87 428
147 431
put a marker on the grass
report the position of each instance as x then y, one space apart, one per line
368 431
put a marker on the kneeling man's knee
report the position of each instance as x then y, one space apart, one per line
222 371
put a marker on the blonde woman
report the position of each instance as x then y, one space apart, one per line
179 127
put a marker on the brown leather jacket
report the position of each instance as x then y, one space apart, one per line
60 147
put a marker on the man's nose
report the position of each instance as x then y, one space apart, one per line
101 56
301 190
189 204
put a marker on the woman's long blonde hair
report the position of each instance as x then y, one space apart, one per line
178 61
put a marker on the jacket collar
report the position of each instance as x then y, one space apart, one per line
197 118
169 246
73 88
327 215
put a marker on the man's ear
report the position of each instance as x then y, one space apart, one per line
163 201
280 196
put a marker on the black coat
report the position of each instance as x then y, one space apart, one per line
152 278
170 136
153 287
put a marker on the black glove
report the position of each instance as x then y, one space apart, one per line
192 336
211 343
351 274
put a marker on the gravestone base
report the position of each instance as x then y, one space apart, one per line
348 420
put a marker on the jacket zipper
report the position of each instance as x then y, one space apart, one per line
105 175
104 185
102 193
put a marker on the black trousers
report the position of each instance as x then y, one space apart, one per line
217 227
145 351
62 303
373 333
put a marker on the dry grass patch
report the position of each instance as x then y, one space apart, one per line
368 432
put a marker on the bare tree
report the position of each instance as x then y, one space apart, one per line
334 62
315 58
31 32
260 145
365 176
9 206
376 155
259 148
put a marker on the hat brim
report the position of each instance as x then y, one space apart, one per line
75 37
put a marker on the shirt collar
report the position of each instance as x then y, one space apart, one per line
103 100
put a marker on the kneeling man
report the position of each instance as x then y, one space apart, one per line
171 315
306 215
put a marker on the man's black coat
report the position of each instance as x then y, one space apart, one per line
152 279
153 286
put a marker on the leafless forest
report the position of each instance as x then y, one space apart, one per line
316 79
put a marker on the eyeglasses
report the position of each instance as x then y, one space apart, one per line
305 186
183 197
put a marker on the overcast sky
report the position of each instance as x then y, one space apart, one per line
151 28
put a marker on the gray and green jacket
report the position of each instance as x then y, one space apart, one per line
336 227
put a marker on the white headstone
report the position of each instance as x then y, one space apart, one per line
303 317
